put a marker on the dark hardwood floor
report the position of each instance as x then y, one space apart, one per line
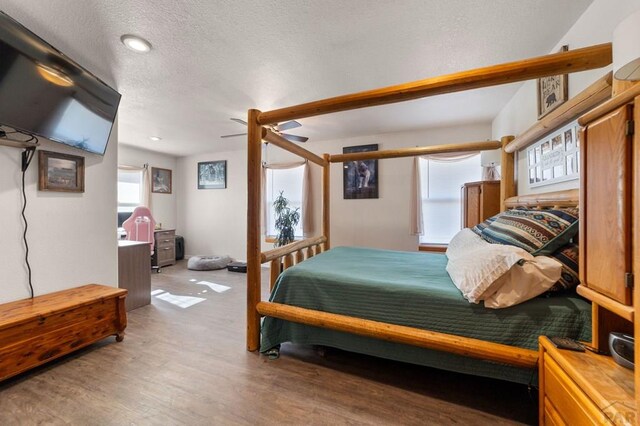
188 365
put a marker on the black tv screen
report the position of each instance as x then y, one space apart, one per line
43 92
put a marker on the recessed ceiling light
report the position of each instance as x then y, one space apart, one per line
155 138
135 43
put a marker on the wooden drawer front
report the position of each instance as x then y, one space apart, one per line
606 207
165 239
551 415
574 407
166 254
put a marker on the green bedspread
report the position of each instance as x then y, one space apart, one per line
414 289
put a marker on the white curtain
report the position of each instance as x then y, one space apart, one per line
307 204
416 224
146 182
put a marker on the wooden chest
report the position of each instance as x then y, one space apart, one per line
35 331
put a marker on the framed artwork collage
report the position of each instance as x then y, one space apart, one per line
555 158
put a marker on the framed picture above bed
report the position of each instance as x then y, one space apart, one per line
360 178
553 91
212 175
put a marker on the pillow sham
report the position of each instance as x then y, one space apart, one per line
568 257
502 275
532 230
524 281
464 242
483 225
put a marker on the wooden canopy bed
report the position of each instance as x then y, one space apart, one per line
565 62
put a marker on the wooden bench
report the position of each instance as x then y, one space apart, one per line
35 331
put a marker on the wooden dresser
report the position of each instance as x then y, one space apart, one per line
480 201
165 248
582 388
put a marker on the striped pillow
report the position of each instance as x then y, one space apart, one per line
482 226
531 230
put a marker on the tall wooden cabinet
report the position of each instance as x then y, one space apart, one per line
585 388
607 219
605 240
480 201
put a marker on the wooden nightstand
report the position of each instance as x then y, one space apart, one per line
582 388
165 248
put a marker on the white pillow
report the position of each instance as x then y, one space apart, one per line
491 273
464 242
475 270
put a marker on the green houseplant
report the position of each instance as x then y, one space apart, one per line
286 220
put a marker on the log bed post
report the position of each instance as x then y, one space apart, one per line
507 173
326 201
254 177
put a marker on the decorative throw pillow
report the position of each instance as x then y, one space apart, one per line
568 256
482 226
531 230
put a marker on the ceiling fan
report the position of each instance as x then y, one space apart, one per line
278 128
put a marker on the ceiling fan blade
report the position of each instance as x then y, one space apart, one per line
232 136
237 120
294 138
288 125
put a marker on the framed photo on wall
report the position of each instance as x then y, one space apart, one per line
161 180
212 175
553 91
360 178
60 172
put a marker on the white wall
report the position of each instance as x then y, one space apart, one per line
595 26
163 206
72 237
214 221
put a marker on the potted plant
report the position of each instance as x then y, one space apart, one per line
286 220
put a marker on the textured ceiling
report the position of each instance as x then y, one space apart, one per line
215 59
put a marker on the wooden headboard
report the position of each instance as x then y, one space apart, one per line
567 198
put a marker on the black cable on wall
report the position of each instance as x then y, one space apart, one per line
27 156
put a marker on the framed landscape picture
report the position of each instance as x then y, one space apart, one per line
212 175
161 180
360 178
553 91
60 172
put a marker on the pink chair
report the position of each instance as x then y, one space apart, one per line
140 226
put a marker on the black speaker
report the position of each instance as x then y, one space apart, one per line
622 349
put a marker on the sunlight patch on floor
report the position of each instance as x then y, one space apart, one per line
180 301
218 288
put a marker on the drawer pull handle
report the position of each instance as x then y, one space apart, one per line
167 248
166 241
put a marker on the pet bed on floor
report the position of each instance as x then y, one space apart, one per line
208 263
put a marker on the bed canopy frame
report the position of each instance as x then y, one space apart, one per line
560 63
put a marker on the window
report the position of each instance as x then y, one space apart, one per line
129 190
289 181
441 196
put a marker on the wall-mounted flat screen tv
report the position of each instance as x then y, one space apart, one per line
43 92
